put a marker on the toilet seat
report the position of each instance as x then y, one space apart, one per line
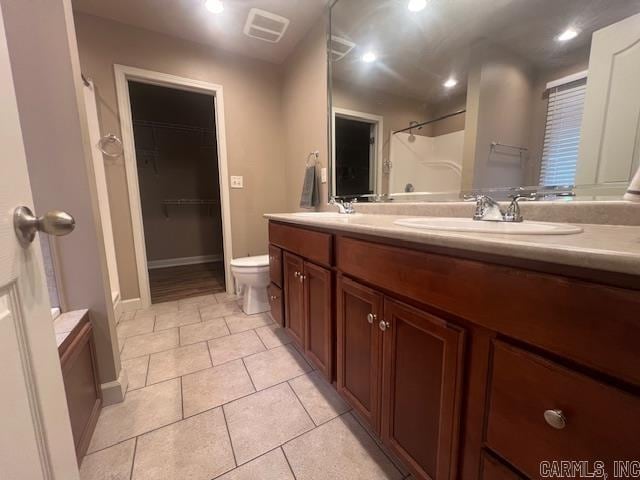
251 262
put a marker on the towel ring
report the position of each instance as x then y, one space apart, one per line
110 145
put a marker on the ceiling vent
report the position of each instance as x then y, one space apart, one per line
265 26
340 47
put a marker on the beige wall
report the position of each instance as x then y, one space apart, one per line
46 74
304 108
252 95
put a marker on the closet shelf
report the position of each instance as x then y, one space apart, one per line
188 201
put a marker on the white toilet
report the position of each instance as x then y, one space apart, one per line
252 280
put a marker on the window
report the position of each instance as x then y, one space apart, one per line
562 131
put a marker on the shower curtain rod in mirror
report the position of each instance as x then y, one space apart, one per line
418 125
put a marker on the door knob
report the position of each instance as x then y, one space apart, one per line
370 318
26 224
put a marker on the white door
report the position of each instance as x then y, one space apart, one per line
610 138
35 433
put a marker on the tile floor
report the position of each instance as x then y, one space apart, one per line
217 394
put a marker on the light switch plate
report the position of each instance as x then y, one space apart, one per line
323 174
237 181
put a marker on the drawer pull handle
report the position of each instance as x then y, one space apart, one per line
555 418
371 318
273 297
384 325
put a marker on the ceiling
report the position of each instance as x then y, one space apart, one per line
189 20
417 52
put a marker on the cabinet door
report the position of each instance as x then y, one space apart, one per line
294 297
275 265
275 301
422 380
359 346
318 332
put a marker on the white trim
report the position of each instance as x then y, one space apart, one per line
115 391
568 79
177 262
376 120
122 75
131 304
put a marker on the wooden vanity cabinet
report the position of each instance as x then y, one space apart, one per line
422 378
294 297
308 290
457 382
359 348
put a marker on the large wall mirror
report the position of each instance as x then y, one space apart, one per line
433 99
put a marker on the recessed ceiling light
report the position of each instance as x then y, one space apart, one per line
450 83
417 5
568 34
369 57
214 6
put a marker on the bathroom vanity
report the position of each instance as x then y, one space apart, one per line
471 357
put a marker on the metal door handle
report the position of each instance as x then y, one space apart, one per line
26 224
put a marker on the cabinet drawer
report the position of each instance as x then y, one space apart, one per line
592 324
597 422
493 469
312 245
275 265
275 300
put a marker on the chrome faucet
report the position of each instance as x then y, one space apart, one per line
488 209
344 206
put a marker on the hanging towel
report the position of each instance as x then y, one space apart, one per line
633 192
310 190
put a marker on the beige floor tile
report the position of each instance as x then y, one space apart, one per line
113 463
273 336
262 421
141 411
339 449
215 386
134 327
270 466
320 399
201 300
232 347
126 316
275 366
164 307
197 448
136 369
200 332
225 297
149 343
241 322
209 312
177 319
177 362
143 313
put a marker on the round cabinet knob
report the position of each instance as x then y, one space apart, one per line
555 418
273 297
384 325
371 318
296 274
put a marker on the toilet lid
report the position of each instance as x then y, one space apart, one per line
257 261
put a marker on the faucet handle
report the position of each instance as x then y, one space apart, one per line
513 211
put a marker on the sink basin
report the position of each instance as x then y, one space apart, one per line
474 226
326 214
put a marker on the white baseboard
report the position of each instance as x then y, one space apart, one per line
114 392
131 304
176 262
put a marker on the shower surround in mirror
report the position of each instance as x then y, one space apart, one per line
466 96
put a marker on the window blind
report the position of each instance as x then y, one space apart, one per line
562 133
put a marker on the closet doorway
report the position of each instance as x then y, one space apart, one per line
173 134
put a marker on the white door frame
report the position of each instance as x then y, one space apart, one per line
123 75
371 118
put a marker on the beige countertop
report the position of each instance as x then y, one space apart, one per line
611 248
